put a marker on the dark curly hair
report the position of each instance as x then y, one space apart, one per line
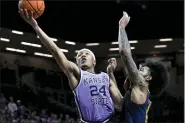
160 77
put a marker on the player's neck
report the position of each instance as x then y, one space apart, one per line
90 70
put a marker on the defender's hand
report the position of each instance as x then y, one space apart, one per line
28 17
124 20
112 65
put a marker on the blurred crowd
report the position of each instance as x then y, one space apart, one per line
164 109
16 112
26 103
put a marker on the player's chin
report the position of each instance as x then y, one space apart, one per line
84 66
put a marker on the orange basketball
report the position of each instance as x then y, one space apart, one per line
37 6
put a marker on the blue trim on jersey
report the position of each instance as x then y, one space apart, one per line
78 105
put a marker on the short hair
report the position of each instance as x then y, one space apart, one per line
85 49
160 76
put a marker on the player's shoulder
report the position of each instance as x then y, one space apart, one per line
104 74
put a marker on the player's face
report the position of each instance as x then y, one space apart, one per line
85 60
144 71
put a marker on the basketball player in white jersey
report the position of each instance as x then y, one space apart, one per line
91 90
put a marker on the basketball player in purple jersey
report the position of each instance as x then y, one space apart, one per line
91 90
136 102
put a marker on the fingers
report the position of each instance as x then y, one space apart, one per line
21 12
26 14
31 14
125 14
128 19
111 60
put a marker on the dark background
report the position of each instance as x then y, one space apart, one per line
98 21
91 22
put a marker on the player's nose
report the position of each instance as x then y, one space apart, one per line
84 55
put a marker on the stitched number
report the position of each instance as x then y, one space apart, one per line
95 91
102 90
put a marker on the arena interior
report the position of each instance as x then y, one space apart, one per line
40 90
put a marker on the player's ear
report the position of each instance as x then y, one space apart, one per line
148 78
94 62
77 61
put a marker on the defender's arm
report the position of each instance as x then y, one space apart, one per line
138 95
116 96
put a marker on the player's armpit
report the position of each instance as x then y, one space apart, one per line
138 96
116 95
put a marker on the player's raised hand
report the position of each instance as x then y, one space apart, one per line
112 65
124 20
28 17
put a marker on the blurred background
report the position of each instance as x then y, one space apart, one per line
34 89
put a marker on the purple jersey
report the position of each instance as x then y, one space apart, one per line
92 97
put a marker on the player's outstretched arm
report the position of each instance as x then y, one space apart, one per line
68 67
138 94
115 93
125 52
116 96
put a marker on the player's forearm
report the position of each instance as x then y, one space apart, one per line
125 52
126 56
124 45
112 77
46 40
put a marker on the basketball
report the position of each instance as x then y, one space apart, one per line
37 6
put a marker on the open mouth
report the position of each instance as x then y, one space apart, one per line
83 60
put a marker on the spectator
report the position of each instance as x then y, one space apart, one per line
72 120
54 119
2 103
44 116
61 118
21 108
12 107
67 118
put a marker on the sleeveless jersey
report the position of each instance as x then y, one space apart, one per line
135 113
92 97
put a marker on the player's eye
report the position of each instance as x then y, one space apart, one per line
79 54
